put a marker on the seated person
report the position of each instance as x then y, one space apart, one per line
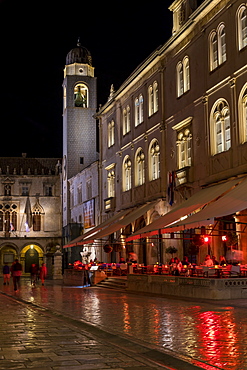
222 261
215 262
208 261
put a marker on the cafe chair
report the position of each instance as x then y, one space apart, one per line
235 271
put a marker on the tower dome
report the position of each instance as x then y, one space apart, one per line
79 55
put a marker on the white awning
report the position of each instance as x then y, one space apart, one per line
230 203
191 205
119 224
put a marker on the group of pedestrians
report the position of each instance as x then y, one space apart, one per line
16 271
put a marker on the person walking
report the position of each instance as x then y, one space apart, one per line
43 273
6 274
16 271
34 273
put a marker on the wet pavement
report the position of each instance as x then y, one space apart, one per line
136 331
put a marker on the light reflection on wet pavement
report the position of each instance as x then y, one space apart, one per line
213 333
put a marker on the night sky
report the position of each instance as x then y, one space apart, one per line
35 38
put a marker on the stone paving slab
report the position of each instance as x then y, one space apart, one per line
34 338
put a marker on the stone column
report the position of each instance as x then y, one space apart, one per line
57 273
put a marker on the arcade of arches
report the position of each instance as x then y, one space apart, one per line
29 254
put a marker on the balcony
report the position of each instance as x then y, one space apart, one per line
109 204
182 176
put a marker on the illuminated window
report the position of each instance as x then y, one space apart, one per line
154 160
111 184
111 134
153 98
242 26
126 120
139 167
64 98
81 96
184 139
243 115
217 47
126 174
220 128
138 110
183 76
36 221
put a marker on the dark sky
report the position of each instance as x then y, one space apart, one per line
35 38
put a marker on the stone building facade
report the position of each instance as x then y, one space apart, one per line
177 125
30 211
174 131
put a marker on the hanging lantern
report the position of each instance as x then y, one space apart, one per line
107 248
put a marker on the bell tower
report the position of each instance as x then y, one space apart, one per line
79 126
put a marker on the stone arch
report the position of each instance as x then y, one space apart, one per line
8 253
31 253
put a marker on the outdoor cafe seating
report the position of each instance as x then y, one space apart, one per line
192 270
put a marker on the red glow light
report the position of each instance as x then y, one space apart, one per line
206 239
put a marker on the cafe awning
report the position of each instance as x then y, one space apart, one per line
195 203
121 223
106 223
233 201
113 224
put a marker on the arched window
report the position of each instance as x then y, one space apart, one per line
139 167
64 98
111 183
242 26
184 148
153 100
36 221
220 127
81 96
111 133
154 160
126 120
243 115
150 101
138 110
180 79
217 47
213 50
183 76
14 221
222 44
186 73
126 174
1 220
7 221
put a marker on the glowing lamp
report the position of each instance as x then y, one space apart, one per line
206 239
224 238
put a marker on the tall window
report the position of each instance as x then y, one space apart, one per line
36 221
139 167
138 110
126 120
220 127
184 148
81 96
153 98
111 184
154 160
127 174
243 115
217 47
242 26
183 76
111 134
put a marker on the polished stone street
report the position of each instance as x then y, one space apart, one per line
59 327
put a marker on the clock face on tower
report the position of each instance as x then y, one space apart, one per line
64 167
